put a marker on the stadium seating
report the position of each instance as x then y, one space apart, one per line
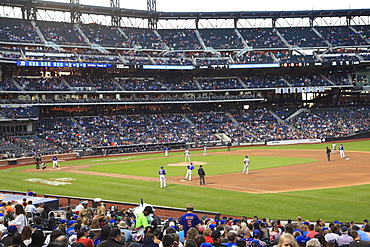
242 126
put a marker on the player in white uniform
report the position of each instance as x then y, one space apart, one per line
189 170
334 148
55 162
165 151
205 150
341 151
187 155
246 163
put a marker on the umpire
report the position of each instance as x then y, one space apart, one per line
201 174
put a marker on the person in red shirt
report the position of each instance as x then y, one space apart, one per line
82 236
207 234
313 230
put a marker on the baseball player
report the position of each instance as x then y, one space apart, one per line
187 155
341 151
205 150
165 151
334 148
246 163
162 177
189 170
55 161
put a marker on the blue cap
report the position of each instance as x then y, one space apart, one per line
255 241
256 232
12 228
62 221
222 222
212 226
302 240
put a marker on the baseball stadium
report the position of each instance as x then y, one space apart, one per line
95 100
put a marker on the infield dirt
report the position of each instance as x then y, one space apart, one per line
317 175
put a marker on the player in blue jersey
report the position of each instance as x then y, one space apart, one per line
162 177
166 149
341 151
189 170
189 219
55 162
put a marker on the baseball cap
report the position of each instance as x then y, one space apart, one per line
255 242
344 229
211 226
149 209
256 233
216 234
222 222
301 239
354 227
330 238
97 200
62 221
85 229
12 228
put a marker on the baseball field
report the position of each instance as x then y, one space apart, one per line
283 181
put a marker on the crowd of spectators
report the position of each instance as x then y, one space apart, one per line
178 40
170 83
24 224
241 126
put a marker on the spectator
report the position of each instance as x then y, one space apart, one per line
37 239
20 218
82 236
357 242
287 240
26 235
114 240
30 208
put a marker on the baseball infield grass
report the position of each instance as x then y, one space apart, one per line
343 204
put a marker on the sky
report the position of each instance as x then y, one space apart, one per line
234 5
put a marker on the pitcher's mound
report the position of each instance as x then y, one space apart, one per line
195 163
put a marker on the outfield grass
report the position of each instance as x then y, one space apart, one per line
343 204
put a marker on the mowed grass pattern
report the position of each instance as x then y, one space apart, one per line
343 204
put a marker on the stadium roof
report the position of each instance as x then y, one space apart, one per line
122 12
